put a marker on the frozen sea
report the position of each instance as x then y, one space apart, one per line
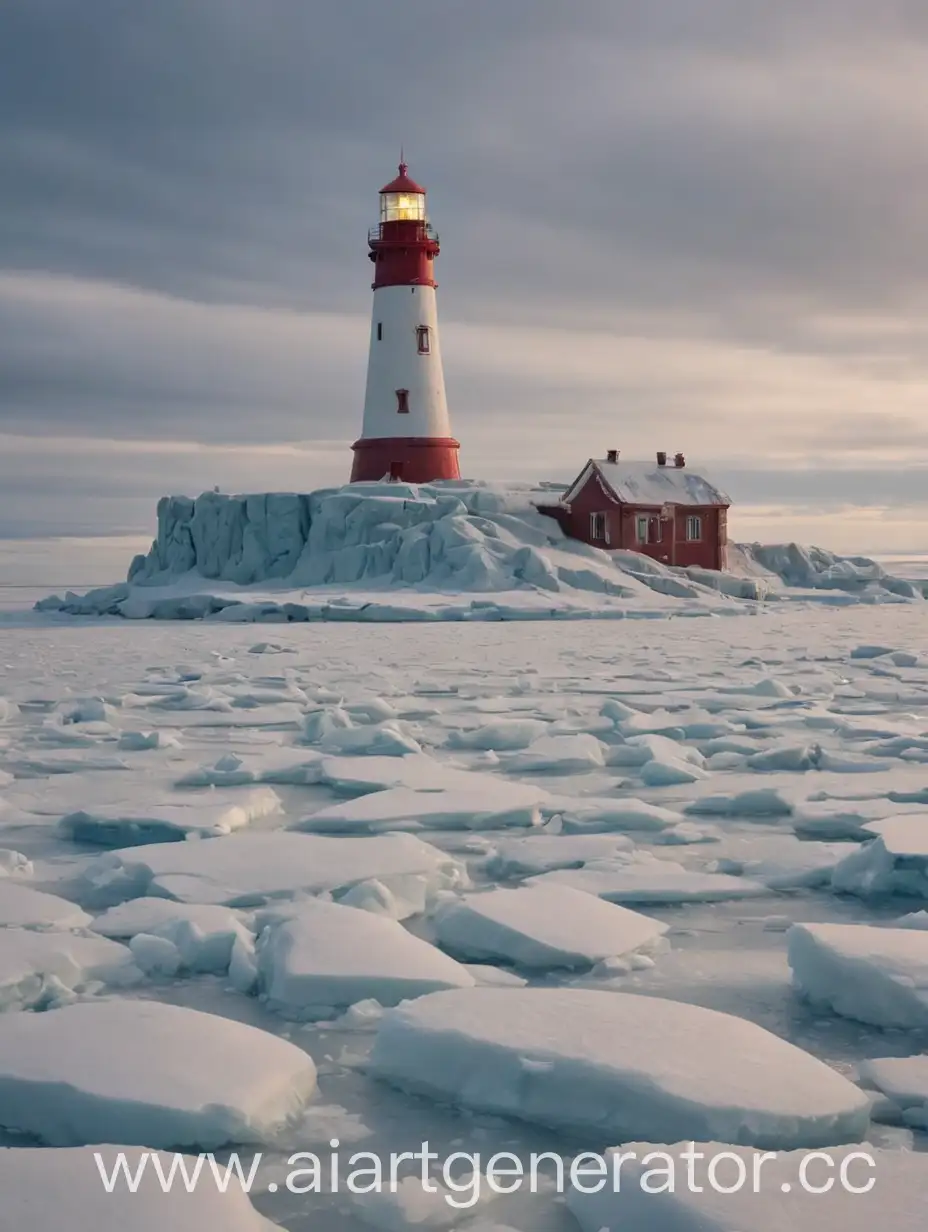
655 806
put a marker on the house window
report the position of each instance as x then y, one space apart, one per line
694 529
422 339
380 331
598 527
402 402
648 529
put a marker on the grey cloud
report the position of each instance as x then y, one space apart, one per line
733 174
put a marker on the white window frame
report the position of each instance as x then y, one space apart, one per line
641 529
599 523
694 528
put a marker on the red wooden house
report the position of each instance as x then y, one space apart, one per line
658 508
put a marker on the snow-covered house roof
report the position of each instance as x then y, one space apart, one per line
647 483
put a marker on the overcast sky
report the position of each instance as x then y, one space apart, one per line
680 224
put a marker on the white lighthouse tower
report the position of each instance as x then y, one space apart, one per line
406 432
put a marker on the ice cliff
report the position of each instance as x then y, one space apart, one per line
444 538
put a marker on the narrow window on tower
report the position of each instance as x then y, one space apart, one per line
380 331
422 338
402 402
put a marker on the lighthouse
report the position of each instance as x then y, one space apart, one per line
406 432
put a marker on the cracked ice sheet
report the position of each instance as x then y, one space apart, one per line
251 869
445 681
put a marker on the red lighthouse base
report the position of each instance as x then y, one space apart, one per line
414 459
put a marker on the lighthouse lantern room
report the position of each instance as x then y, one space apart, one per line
406 433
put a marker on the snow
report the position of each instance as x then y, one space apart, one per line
775 1201
502 735
278 766
147 1074
542 926
201 936
490 805
639 878
895 862
38 969
23 907
358 775
587 815
542 853
285 557
194 816
646 483
319 957
874 975
765 697
412 1205
250 869
559 755
904 1081
14 864
49 1190
618 1065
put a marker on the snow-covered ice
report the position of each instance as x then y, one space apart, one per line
250 869
616 1065
874 975
49 1190
317 958
799 740
485 806
23 907
542 853
904 1081
636 1194
38 969
202 936
641 878
147 1074
542 926
198 816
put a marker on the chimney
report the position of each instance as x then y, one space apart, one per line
612 455
661 458
679 461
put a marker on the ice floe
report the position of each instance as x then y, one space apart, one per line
23 907
201 936
88 1189
199 816
542 853
895 862
248 870
874 975
542 926
493 805
646 1187
618 1066
638 877
558 755
904 1082
38 969
147 1074
317 958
